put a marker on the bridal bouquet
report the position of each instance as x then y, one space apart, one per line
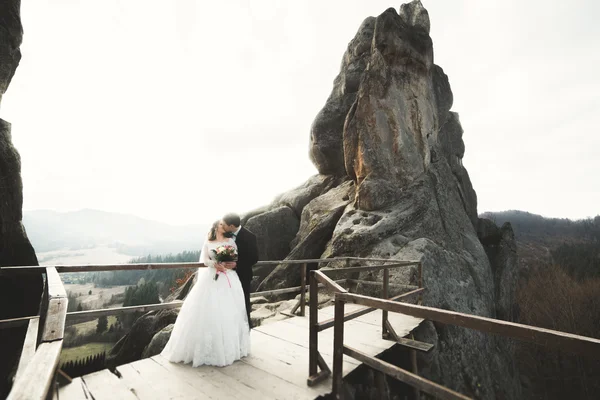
225 253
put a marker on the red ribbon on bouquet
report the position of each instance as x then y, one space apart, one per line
224 273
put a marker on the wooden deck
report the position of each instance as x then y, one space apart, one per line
276 369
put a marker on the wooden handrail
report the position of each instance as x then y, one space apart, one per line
54 326
293 289
36 379
152 266
434 389
375 283
315 360
12 322
29 345
582 345
328 323
367 268
330 284
36 370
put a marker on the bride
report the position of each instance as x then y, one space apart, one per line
212 326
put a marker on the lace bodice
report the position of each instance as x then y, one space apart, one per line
206 255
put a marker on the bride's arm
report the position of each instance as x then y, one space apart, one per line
204 259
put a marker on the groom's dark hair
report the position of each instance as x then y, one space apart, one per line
232 219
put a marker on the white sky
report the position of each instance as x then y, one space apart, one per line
179 111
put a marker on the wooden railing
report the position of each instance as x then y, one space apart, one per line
318 369
43 343
582 345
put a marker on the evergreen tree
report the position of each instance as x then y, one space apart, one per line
102 324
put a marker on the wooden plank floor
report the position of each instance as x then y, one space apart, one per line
277 367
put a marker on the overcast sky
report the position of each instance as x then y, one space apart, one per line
179 111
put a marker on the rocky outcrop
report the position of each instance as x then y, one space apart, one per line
131 347
326 144
19 295
318 221
405 194
274 230
158 342
501 247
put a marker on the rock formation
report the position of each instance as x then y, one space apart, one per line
19 295
391 184
138 340
391 152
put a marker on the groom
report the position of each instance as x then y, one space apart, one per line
247 254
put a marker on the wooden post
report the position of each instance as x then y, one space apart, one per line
384 314
415 369
43 312
351 285
303 289
338 349
420 282
313 326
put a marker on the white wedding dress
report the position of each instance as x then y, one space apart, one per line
212 326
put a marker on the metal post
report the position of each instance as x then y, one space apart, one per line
338 349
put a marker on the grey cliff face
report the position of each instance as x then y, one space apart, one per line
405 194
326 144
19 295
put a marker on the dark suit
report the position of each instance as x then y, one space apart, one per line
247 257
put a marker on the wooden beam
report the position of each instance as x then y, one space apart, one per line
125 310
338 348
99 267
313 331
384 294
412 293
564 341
294 289
149 266
66 378
299 262
317 378
375 283
328 323
321 277
29 346
381 260
12 322
366 268
303 269
415 344
54 324
322 364
295 308
36 380
409 343
403 375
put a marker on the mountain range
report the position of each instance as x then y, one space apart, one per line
93 236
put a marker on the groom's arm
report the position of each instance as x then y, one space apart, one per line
252 250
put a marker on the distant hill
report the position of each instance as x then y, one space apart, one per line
575 245
93 236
